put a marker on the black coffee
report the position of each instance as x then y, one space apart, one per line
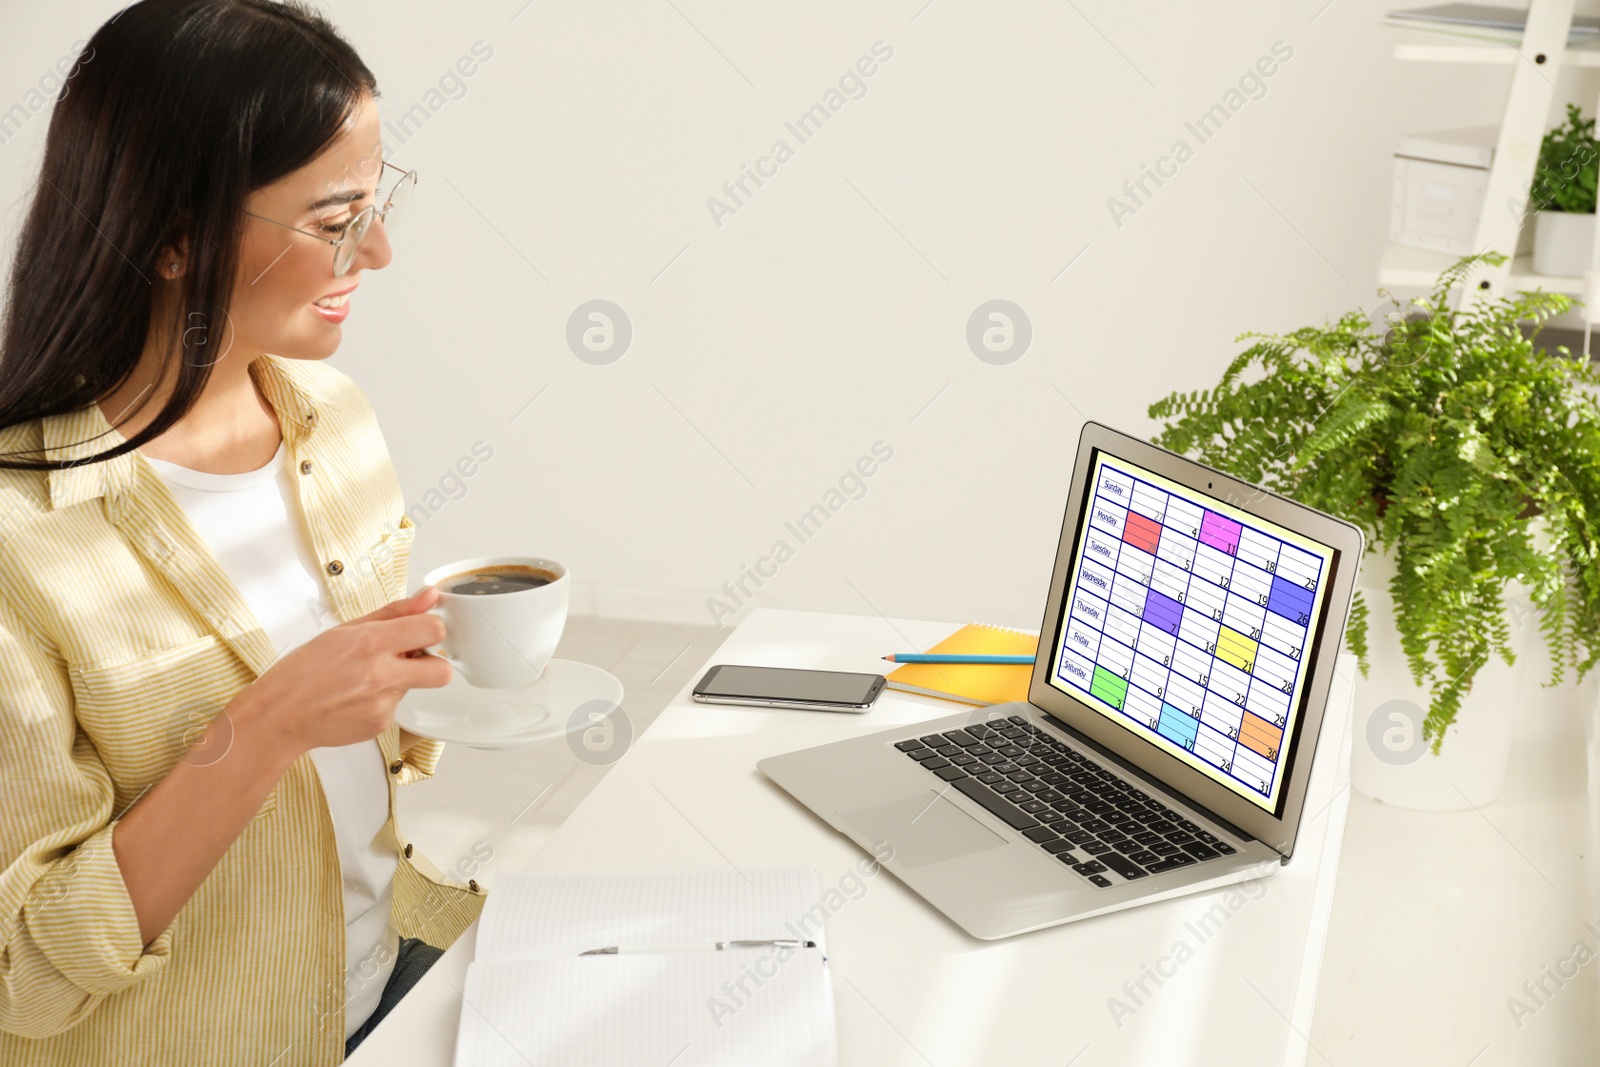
485 581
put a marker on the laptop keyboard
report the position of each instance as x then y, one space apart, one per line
1086 817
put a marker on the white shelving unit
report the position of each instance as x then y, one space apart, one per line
1537 60
1419 46
1419 268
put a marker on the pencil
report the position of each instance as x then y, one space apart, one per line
946 657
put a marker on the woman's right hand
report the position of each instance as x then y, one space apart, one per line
342 685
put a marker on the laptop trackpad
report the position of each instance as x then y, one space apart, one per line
922 828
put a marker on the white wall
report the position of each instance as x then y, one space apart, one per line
827 312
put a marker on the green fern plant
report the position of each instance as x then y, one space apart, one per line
1444 434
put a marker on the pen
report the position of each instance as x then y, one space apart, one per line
945 657
613 950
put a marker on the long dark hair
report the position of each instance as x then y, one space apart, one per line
175 111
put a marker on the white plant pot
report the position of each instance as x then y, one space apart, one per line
1389 760
1563 242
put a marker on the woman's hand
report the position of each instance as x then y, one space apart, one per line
342 686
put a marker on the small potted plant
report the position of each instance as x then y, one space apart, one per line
1471 458
1562 197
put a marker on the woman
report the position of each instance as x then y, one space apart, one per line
203 550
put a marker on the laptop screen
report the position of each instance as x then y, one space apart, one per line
1188 621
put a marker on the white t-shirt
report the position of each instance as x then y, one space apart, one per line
255 527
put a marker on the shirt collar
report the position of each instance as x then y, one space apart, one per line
295 392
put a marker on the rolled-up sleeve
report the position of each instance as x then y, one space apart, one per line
69 936
420 760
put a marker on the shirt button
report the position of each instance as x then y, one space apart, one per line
336 567
472 884
394 768
305 466
408 850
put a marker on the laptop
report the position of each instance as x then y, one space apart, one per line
1188 644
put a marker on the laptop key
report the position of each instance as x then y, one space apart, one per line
1006 787
963 760
990 777
995 804
1096 848
1090 867
933 740
1146 858
1033 806
1056 845
1224 848
950 773
907 746
1172 863
1079 836
935 763
1099 880
1042 834
1122 865
960 737
923 753
1200 852
1165 848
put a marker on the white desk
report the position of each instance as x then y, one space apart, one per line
911 988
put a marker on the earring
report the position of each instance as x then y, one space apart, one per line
173 270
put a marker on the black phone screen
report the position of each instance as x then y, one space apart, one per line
784 683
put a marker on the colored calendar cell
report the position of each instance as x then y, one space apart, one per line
1109 687
1142 532
1260 736
1289 600
1235 648
1220 533
1177 727
1161 610
1191 625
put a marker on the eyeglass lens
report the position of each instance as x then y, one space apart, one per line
345 254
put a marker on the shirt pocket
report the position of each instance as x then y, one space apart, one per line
146 714
391 557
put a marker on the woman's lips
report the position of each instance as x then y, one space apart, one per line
338 313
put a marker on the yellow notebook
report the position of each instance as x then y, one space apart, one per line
973 683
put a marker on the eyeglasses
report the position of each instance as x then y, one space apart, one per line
348 243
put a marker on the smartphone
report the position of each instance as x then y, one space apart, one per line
788 687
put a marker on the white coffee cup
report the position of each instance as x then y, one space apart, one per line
500 640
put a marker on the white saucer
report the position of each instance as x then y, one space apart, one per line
460 713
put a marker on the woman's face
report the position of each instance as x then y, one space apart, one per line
282 274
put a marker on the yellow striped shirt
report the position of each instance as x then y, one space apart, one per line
121 636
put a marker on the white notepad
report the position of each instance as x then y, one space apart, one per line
530 997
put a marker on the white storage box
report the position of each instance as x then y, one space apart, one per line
1440 181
